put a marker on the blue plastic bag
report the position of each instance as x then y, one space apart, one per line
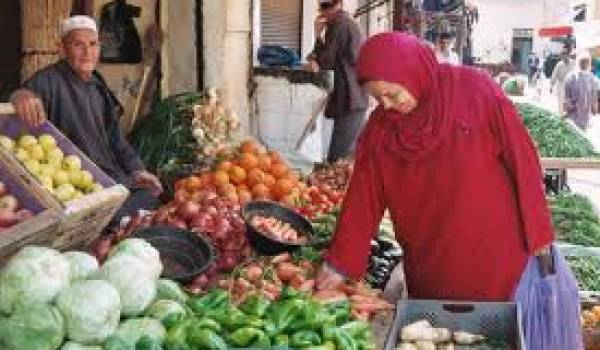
277 56
550 306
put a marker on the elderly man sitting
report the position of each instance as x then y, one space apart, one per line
76 99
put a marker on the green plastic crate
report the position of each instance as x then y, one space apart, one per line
494 320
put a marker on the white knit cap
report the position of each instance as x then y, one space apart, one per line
77 22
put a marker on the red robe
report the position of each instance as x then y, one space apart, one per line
468 214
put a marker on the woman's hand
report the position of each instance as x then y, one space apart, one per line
28 107
328 278
145 179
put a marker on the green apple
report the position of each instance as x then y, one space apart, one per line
54 156
47 170
65 192
78 194
21 154
71 162
75 177
33 166
46 181
96 187
27 141
7 143
87 180
47 141
36 152
61 177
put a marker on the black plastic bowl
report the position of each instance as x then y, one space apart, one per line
266 245
184 254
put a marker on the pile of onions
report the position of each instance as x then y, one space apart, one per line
203 212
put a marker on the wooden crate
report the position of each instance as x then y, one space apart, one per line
39 230
570 163
81 220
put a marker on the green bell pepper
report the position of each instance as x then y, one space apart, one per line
305 338
341 338
285 313
281 340
340 311
256 305
214 300
176 338
328 345
147 343
249 337
206 323
207 339
357 329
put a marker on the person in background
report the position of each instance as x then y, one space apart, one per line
338 39
75 98
533 63
447 155
581 94
559 76
444 51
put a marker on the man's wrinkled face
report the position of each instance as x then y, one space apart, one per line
81 48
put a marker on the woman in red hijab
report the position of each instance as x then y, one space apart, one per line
447 155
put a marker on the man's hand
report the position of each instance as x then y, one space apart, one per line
147 180
328 279
29 107
312 65
320 24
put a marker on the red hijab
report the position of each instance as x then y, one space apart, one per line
408 61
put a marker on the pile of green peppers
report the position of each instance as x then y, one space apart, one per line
295 321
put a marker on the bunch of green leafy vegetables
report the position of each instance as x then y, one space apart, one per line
575 219
554 136
164 139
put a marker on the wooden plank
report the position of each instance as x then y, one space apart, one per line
570 163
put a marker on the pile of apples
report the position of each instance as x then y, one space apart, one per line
10 214
60 174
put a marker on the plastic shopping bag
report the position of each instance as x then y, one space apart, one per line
550 306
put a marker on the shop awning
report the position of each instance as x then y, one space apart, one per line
553 32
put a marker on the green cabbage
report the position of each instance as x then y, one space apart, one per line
92 310
33 275
76 346
33 326
142 250
135 284
130 331
170 290
168 312
82 265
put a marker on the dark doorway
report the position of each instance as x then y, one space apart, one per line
521 48
10 55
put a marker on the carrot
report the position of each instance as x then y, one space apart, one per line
297 280
286 271
307 286
253 272
329 296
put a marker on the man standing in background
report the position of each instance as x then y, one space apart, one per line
443 49
559 76
581 94
338 40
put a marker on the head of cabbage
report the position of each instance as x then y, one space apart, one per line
70 345
33 275
82 265
140 249
132 279
92 309
35 326
132 330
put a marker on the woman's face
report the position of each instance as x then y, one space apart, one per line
392 96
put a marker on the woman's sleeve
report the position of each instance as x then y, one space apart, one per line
520 157
361 213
